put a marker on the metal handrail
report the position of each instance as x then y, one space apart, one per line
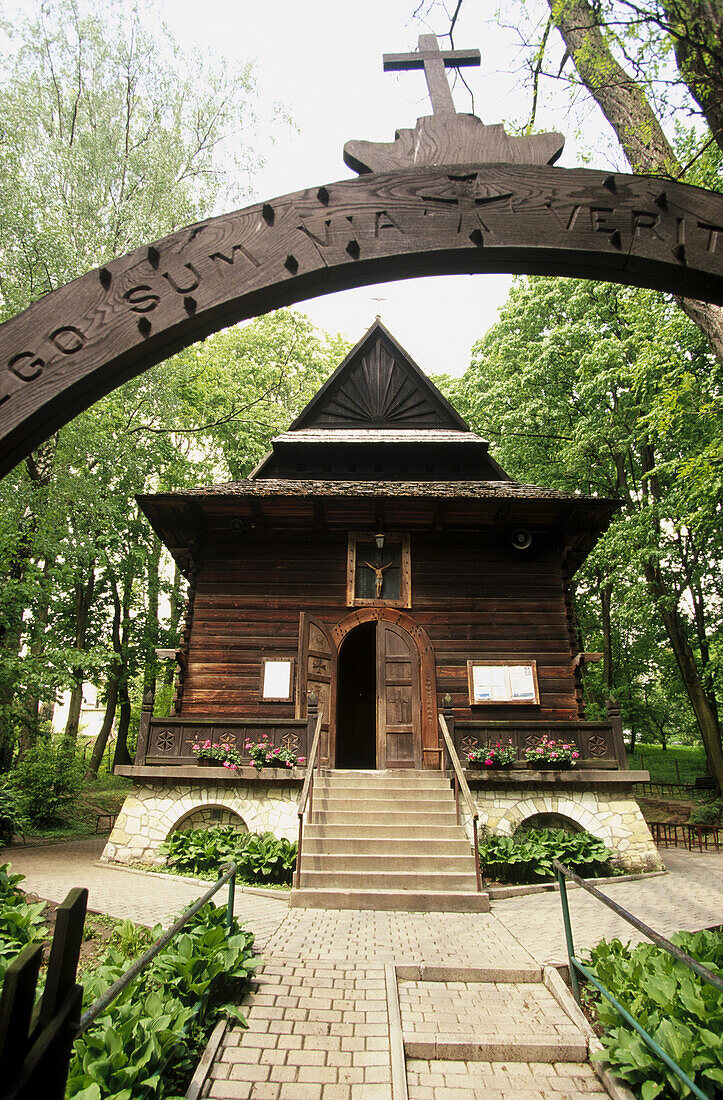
707 975
101 1003
460 782
307 792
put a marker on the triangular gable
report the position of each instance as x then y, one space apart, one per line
379 385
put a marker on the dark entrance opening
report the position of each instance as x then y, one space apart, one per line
356 733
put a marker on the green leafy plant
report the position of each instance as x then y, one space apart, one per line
202 851
707 813
494 755
528 857
548 751
264 755
47 779
147 1042
12 817
681 1012
21 923
215 751
266 859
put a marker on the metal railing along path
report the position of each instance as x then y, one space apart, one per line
307 791
576 966
460 782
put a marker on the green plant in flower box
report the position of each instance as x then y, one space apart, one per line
214 752
551 753
264 755
493 755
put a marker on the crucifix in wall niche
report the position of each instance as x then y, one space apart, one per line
378 570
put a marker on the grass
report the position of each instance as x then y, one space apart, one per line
690 761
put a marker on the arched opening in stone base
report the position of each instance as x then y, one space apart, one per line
549 821
209 817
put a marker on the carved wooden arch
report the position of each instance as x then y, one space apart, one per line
84 339
427 669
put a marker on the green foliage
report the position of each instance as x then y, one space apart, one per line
21 923
163 1016
12 816
528 856
47 779
661 763
681 1012
261 857
202 851
707 813
267 859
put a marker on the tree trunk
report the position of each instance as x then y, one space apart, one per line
696 27
707 722
121 754
112 698
83 604
152 627
625 106
606 595
32 713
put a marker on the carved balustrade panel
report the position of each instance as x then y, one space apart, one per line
593 740
171 740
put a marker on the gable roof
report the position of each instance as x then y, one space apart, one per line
379 385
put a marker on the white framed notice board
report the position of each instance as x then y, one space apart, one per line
503 683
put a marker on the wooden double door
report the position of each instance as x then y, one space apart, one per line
370 691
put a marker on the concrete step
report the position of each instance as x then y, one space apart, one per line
363 805
382 832
382 791
383 861
360 843
493 1048
435 881
431 820
389 775
405 901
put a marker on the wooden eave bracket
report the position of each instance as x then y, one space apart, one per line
581 659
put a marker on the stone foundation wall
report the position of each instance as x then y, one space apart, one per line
613 815
152 810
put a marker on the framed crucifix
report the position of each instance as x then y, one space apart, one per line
378 571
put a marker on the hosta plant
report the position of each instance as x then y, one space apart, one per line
681 1012
528 856
267 859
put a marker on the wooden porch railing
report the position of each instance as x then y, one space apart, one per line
307 791
461 783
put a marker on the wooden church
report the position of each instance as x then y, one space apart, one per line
380 561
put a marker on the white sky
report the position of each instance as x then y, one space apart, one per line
321 60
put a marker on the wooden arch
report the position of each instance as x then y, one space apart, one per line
84 339
427 670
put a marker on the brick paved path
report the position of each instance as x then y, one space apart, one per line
51 870
689 897
321 1017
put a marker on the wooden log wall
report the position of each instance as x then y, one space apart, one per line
475 596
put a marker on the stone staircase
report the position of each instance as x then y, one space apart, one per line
386 840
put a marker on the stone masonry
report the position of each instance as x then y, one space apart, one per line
153 810
611 814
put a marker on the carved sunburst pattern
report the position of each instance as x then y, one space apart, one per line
597 745
469 743
290 741
532 741
378 390
165 741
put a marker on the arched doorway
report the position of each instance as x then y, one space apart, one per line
378 698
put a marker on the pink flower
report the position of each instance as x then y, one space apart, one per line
575 755
196 747
207 744
302 760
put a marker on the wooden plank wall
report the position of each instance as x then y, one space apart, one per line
474 595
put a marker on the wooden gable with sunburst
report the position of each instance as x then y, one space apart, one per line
378 417
379 385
